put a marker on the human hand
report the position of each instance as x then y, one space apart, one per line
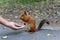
15 26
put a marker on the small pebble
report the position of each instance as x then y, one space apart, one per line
8 19
10 15
36 16
4 37
16 16
49 35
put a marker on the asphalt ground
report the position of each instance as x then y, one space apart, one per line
49 32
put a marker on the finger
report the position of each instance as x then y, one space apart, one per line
17 28
17 25
22 26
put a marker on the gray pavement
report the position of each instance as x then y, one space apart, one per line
46 33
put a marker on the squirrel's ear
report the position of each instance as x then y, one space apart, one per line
25 12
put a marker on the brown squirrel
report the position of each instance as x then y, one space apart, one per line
28 19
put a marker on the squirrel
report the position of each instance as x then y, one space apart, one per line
29 19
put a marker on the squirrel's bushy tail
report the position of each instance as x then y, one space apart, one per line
42 23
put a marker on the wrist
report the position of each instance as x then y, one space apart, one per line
4 22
